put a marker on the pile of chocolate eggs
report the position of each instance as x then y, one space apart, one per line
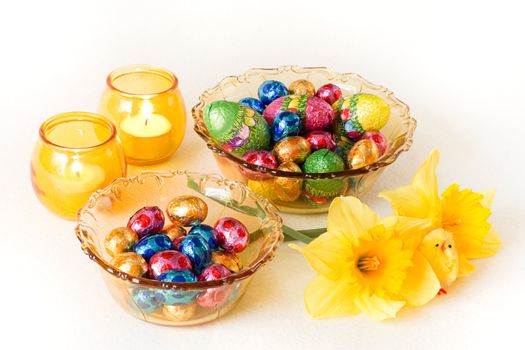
184 251
300 129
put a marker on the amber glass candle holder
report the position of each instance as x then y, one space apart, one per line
148 110
76 154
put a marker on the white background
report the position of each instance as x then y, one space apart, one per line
459 66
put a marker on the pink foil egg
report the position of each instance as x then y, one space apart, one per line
378 138
315 112
329 93
231 234
168 260
147 221
214 272
261 158
320 139
213 297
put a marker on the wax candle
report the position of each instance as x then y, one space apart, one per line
148 109
77 153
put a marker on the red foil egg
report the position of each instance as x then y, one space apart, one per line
231 234
329 93
378 138
214 272
168 260
147 221
320 139
261 158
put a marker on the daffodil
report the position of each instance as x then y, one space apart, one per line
365 264
460 212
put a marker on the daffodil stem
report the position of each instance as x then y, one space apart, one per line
305 236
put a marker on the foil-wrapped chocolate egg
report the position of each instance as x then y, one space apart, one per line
292 149
260 158
253 103
329 93
179 312
130 263
320 191
177 296
168 260
363 153
342 146
213 297
301 87
146 300
150 245
147 221
315 112
366 111
286 124
288 189
214 272
319 139
174 231
230 260
378 138
120 240
232 235
270 90
264 188
175 243
352 131
206 232
187 210
198 250
237 128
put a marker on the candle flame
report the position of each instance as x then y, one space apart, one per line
76 167
147 111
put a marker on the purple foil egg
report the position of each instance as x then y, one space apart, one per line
147 221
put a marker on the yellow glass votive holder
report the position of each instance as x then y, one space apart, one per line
148 110
76 154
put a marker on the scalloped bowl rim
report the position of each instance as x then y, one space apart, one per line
275 219
197 112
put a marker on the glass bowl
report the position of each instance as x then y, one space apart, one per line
112 206
399 131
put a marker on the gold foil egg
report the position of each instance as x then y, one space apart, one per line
363 153
230 260
174 231
179 312
130 263
288 189
263 187
187 210
120 240
301 87
292 149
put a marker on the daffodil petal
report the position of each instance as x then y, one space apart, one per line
407 201
489 246
421 284
425 178
465 267
488 198
349 219
325 254
411 230
378 308
325 297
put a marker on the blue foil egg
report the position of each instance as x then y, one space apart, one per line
177 297
150 245
286 124
351 131
271 90
147 300
206 232
254 104
198 250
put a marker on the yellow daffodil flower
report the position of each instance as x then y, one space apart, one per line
365 264
462 213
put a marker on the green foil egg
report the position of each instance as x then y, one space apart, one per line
320 191
237 128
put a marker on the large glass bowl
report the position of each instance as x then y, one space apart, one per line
399 129
112 206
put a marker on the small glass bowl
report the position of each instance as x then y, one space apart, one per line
112 206
399 130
